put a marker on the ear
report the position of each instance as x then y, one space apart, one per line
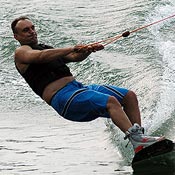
15 36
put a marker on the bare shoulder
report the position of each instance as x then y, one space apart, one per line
19 55
24 54
22 49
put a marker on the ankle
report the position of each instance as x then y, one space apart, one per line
136 129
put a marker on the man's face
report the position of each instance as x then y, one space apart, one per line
25 32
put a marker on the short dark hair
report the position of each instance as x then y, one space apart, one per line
15 21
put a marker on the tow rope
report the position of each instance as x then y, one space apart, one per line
127 33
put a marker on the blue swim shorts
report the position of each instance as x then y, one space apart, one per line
77 102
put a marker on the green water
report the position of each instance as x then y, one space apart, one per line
143 62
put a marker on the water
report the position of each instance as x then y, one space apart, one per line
33 138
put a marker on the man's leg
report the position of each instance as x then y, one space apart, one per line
117 114
131 108
133 132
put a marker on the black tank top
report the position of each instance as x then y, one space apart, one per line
38 76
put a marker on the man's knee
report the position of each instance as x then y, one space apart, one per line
131 96
113 102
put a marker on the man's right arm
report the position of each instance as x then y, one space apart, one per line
26 55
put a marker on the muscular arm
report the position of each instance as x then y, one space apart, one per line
26 55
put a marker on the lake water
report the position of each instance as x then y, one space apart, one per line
33 138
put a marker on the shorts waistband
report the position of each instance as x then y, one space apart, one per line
58 91
72 82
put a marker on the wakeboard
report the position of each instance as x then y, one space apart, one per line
158 157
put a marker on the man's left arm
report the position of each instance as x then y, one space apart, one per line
81 52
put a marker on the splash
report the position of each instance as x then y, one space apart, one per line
165 46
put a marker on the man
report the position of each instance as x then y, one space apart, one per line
44 69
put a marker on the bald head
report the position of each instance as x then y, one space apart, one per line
24 31
15 21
